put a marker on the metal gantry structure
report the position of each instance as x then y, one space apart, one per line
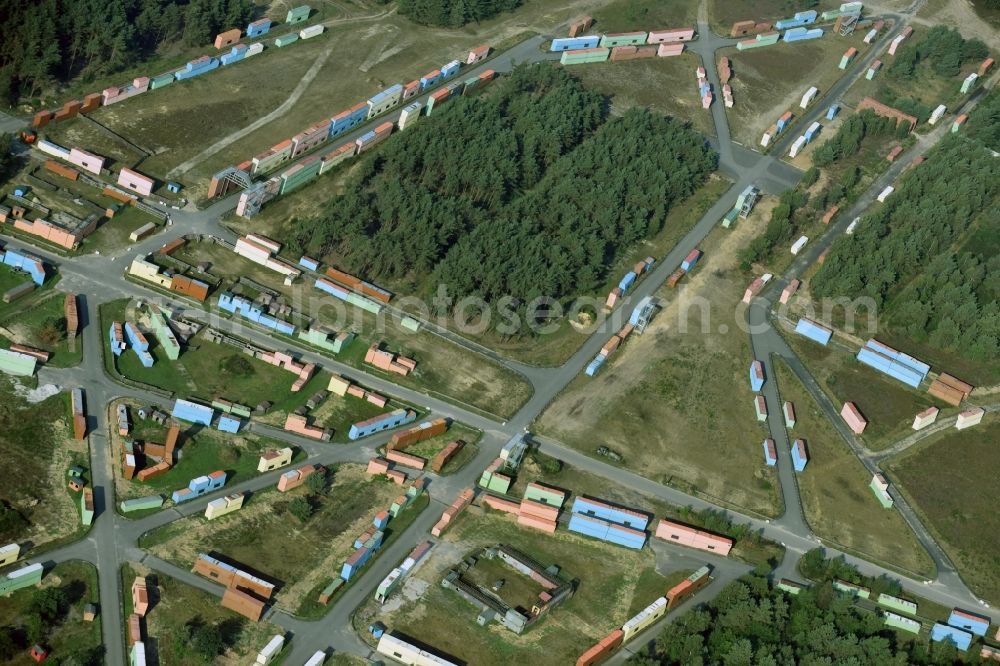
115 537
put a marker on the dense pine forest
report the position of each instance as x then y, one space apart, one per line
751 623
943 48
930 253
528 190
47 41
453 13
984 121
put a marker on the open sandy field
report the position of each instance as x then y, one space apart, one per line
834 487
675 401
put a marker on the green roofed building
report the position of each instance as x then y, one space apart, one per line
850 588
329 590
895 603
161 81
298 14
163 334
324 340
499 483
15 363
537 492
21 578
903 623
240 410
141 503
790 586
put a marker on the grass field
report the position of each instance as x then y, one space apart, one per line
991 15
888 405
675 402
26 325
200 451
835 496
431 447
627 580
628 15
723 13
643 83
176 608
206 370
771 80
69 637
946 478
36 507
10 278
339 413
258 535
443 368
113 235
310 606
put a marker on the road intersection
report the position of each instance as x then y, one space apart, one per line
113 539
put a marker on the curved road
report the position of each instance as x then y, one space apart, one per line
112 540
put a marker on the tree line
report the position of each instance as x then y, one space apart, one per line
797 208
51 41
851 136
528 191
942 48
984 121
47 609
453 13
904 255
752 623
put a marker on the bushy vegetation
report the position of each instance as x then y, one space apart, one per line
984 121
528 191
28 437
815 566
453 13
750 622
781 227
851 135
57 40
902 254
45 613
943 48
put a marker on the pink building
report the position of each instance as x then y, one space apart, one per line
925 418
135 181
853 418
406 459
693 538
969 418
378 466
296 477
86 161
675 35
477 54
752 290
789 291
668 50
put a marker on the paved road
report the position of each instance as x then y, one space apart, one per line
112 539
